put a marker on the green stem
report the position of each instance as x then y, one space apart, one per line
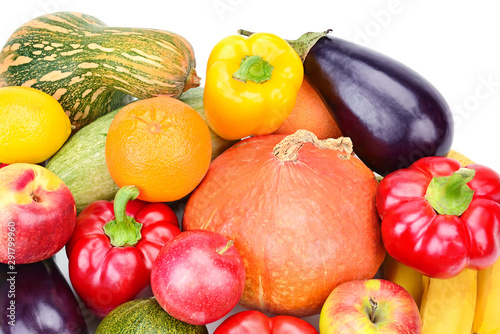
245 32
450 195
124 231
228 245
254 68
302 45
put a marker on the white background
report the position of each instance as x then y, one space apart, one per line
454 44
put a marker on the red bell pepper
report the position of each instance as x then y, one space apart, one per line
113 248
251 322
439 217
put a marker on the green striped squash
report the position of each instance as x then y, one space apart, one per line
143 316
92 69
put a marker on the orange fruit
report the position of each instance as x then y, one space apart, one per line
310 113
161 145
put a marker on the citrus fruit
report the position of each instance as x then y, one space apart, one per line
33 125
310 113
161 145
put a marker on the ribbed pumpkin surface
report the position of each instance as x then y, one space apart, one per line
302 227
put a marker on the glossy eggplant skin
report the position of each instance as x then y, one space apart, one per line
391 113
44 302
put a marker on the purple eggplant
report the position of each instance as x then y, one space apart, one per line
36 298
391 113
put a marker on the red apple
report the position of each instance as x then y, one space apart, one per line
37 213
198 277
369 306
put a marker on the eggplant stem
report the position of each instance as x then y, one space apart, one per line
301 45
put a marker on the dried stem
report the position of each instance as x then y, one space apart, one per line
288 149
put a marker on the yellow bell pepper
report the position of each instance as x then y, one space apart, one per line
251 85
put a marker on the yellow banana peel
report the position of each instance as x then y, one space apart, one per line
405 276
487 317
448 305
464 161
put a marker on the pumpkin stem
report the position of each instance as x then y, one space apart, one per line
192 81
288 149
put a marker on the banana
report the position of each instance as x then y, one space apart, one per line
448 305
487 317
464 161
487 313
405 276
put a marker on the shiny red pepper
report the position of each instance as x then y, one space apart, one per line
251 322
113 248
439 217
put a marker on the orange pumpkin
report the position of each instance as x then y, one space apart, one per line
301 213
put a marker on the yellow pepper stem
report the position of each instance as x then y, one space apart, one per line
254 68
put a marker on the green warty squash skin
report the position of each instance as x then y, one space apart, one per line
142 316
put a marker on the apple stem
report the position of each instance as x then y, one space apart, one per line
373 304
228 245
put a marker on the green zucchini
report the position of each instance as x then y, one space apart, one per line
81 164
144 316
92 69
194 98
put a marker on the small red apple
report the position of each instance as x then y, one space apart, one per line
37 213
369 306
198 277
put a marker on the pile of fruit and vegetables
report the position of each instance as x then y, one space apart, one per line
305 177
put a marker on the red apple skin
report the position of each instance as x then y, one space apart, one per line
193 282
37 213
347 309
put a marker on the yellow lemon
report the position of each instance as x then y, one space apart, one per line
33 125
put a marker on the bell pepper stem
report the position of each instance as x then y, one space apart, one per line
254 68
450 195
244 32
123 231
